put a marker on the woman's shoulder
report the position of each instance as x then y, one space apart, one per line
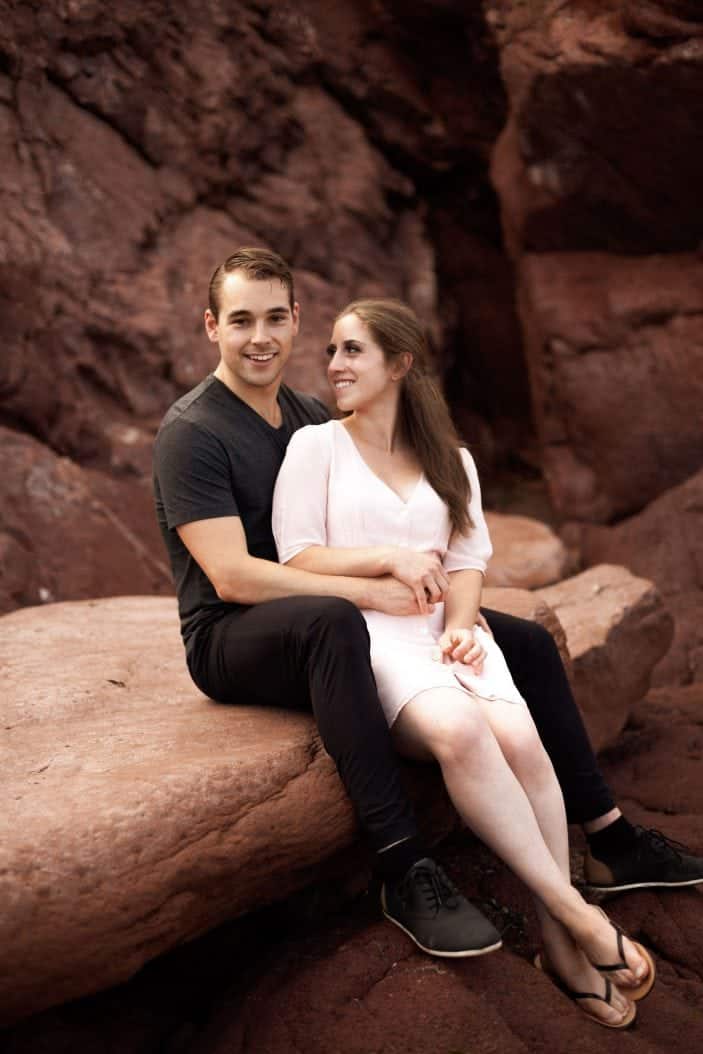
313 437
466 456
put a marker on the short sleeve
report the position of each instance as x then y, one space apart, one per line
470 551
192 474
300 494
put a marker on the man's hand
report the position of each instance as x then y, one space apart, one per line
422 573
393 597
460 645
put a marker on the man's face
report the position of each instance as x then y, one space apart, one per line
254 332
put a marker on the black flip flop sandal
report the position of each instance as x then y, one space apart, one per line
645 987
576 996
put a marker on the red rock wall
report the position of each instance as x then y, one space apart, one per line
599 170
140 143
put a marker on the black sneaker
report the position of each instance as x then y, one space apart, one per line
654 860
433 913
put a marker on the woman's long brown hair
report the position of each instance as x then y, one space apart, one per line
423 415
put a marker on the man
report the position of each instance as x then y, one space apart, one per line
256 631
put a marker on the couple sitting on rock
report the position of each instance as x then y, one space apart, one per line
338 565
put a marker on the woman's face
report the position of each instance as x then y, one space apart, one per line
357 369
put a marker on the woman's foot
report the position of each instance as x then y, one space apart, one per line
626 963
595 995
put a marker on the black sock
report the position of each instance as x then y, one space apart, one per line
617 837
393 863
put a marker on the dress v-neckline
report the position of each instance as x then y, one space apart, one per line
374 475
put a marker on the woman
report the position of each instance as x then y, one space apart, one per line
387 490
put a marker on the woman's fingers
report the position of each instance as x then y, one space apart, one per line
434 588
474 656
422 597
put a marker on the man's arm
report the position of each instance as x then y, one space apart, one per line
421 572
219 546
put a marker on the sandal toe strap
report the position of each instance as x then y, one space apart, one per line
622 965
594 995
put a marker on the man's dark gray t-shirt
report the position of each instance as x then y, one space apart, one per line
215 456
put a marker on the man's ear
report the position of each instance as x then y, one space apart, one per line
211 327
296 317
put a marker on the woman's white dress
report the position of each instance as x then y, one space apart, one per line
326 494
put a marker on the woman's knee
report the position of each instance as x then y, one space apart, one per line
523 748
457 734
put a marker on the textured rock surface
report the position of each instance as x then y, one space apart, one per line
663 543
138 814
617 629
231 131
64 530
616 352
526 553
596 170
272 984
525 604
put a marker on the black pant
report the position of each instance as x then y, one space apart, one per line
302 652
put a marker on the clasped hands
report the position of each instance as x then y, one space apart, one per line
425 576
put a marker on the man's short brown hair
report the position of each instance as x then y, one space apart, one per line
255 263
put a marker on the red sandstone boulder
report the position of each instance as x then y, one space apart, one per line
65 532
352 984
663 543
617 629
526 553
140 814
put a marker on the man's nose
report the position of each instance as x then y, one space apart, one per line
260 334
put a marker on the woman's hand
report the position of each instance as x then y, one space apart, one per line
460 645
421 572
480 621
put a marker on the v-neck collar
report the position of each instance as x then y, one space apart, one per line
280 433
374 475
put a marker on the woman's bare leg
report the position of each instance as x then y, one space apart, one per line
452 727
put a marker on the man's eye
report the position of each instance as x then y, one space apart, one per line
278 318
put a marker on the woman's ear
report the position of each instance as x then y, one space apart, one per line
402 365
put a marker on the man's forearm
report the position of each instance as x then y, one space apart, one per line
220 548
254 581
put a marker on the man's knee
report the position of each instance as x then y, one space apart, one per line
341 620
541 644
